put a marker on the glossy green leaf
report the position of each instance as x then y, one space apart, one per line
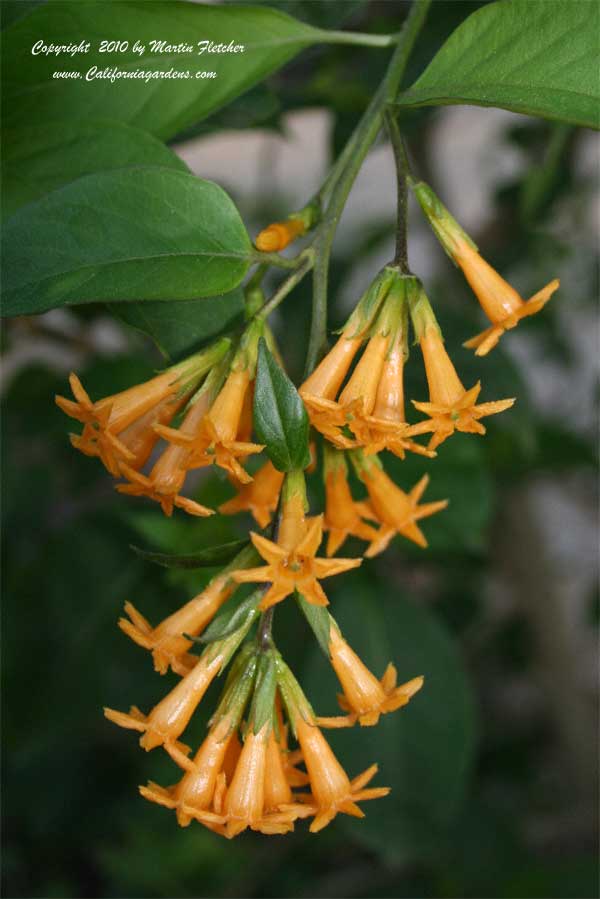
425 750
40 158
204 558
531 56
144 233
280 419
162 106
177 327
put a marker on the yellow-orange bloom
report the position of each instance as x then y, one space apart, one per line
342 515
204 774
450 407
166 641
291 563
279 235
260 497
170 717
386 428
321 387
501 303
397 511
365 698
215 441
120 428
332 792
170 470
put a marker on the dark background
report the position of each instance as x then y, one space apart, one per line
494 765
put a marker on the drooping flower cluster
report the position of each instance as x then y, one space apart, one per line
199 413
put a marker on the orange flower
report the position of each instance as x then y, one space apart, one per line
386 427
120 428
332 792
215 442
397 511
450 407
500 302
166 641
278 235
291 563
342 514
170 470
364 697
195 792
320 389
260 497
170 717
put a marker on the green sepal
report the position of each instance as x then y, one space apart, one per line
212 556
292 694
319 620
238 686
444 224
231 619
280 419
361 320
263 700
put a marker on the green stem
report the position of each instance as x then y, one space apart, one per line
275 259
402 172
362 139
287 285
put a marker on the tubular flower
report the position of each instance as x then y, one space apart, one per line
166 641
365 698
168 719
322 386
500 302
397 511
216 440
369 412
259 497
170 470
194 794
119 429
450 407
342 514
291 563
331 790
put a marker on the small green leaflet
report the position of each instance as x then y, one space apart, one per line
280 419
204 558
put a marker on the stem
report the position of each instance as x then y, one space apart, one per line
402 172
287 285
265 628
362 139
275 259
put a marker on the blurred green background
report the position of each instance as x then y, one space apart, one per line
493 766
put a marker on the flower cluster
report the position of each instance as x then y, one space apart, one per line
199 413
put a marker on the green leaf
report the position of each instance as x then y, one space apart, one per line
280 419
231 618
162 106
210 557
40 158
424 751
144 233
529 56
177 327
